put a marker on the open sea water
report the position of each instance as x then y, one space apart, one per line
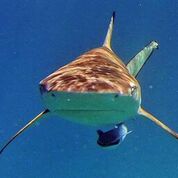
39 36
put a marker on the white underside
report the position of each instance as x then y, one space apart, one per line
91 108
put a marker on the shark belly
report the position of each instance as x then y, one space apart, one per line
91 108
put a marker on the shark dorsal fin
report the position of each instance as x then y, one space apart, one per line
107 41
137 62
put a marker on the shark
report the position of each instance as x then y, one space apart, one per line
96 89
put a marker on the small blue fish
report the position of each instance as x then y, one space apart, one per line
112 137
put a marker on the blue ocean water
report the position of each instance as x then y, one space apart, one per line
36 38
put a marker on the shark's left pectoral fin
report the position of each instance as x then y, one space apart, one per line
142 112
137 62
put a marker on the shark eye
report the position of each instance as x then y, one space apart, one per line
133 90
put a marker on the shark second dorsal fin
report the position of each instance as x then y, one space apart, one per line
107 41
137 62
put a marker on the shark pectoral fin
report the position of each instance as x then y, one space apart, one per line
39 116
156 121
137 62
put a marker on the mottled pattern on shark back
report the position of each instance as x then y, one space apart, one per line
98 70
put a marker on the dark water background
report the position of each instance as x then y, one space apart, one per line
37 37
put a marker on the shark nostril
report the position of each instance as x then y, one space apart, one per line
116 96
53 95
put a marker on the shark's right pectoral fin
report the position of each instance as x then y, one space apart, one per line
39 116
